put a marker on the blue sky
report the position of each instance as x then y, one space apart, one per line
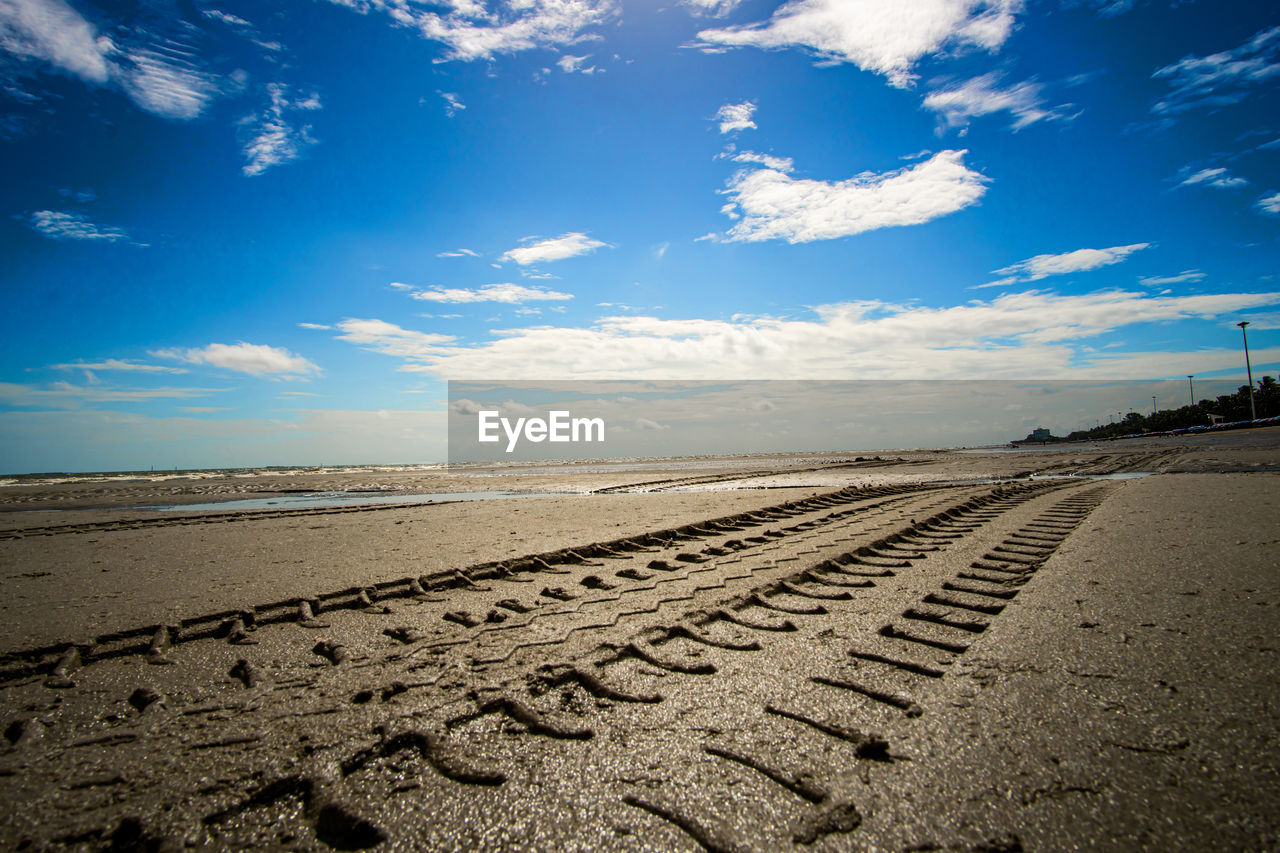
267 233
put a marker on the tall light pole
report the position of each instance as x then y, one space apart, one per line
1192 386
1253 412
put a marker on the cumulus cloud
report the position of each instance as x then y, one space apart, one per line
882 36
1024 335
255 359
61 225
772 205
734 117
1043 266
981 96
509 293
1219 178
1220 79
1269 203
274 137
555 249
472 30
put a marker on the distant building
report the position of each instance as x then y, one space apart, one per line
1040 434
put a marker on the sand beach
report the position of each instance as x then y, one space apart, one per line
1046 649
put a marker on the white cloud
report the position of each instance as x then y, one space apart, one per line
225 17
255 359
52 31
60 225
1043 266
390 339
714 8
780 164
569 64
65 395
1220 79
554 249
982 96
117 364
1023 335
452 103
458 254
509 293
1218 177
474 30
161 76
1269 203
735 117
318 326
274 139
1184 276
883 36
773 205
165 80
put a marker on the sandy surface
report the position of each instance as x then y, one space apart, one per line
1046 660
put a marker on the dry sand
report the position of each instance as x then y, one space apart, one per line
976 658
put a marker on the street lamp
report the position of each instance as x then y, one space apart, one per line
1192 386
1253 412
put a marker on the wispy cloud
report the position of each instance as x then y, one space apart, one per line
317 326
509 293
735 117
983 95
254 359
1220 79
61 225
390 339
780 164
475 30
1043 266
1218 177
452 103
460 253
115 364
772 205
712 8
882 36
1181 278
1022 335
168 80
65 395
160 75
52 31
554 249
570 64
274 138
1269 203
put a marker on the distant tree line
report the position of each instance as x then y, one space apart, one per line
1230 407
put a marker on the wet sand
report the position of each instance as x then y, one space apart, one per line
1092 661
